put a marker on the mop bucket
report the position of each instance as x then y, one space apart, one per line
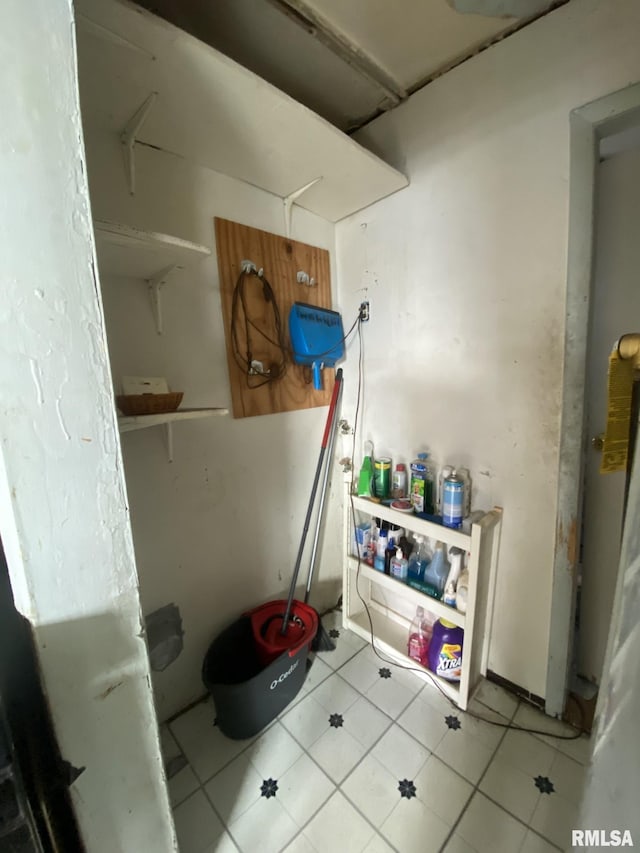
248 690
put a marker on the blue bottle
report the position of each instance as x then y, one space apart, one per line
418 565
435 576
381 547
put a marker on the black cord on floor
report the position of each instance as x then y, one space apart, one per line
421 671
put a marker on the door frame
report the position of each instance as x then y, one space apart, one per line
589 124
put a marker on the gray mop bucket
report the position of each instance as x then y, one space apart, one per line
247 694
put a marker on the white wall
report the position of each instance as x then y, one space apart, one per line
63 514
217 531
466 273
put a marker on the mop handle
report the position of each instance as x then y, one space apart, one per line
323 495
314 488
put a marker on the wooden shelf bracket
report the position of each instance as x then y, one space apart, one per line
129 135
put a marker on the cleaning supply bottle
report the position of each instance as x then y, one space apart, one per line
453 501
395 533
431 484
389 554
399 481
446 471
445 650
449 595
365 477
373 541
462 591
422 484
399 566
465 476
435 576
416 486
455 556
418 645
381 547
427 625
418 563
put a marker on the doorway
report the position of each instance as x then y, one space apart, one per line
615 309
607 119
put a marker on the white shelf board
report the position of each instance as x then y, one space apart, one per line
391 638
134 253
396 587
133 422
414 523
216 113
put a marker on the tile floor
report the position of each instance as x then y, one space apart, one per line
370 758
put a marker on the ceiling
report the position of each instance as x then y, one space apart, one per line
349 60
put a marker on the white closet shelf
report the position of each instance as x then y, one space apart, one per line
184 97
433 605
132 252
132 422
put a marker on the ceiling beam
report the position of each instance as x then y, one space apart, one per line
322 30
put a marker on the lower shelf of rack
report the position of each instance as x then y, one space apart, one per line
396 587
390 637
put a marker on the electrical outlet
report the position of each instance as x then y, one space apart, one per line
364 312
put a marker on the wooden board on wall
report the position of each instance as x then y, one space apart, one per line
281 259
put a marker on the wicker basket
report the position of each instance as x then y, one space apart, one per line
149 404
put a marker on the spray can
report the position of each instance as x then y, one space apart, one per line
452 501
382 477
446 471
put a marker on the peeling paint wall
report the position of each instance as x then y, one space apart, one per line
466 274
63 505
217 530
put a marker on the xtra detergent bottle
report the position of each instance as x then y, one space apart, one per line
445 650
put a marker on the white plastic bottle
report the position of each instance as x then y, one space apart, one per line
399 566
449 595
455 558
462 591
381 547
450 591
